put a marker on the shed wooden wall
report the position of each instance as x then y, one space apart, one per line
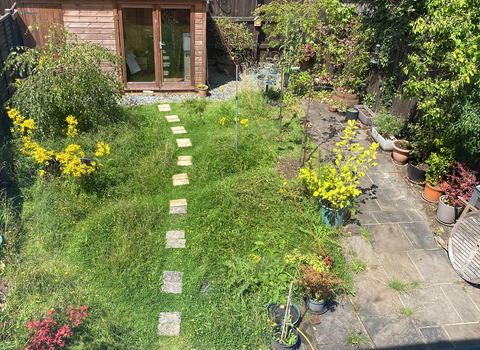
91 21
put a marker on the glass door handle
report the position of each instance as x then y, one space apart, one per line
161 44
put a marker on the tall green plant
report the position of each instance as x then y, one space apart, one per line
66 76
237 37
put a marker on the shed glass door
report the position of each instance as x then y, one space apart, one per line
138 42
175 43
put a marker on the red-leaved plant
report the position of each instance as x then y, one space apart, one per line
45 335
316 284
460 183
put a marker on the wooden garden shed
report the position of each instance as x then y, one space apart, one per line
163 42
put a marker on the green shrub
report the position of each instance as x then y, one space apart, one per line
388 125
66 77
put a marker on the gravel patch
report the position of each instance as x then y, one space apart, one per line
222 88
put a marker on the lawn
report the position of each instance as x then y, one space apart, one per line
100 240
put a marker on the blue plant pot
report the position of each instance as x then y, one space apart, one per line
333 217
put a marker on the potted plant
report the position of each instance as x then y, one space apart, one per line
365 114
461 182
352 114
283 337
332 107
435 177
307 52
417 168
341 109
401 151
336 184
317 287
385 128
202 90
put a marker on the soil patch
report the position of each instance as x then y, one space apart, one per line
289 166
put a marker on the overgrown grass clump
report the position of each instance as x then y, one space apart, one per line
100 241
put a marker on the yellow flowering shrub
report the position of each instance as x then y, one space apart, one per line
70 161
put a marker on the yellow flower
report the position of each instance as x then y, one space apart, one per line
42 172
66 273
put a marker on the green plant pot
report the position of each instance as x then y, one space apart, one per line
333 217
277 346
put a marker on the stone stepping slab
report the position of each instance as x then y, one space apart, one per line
164 108
184 160
175 239
172 118
172 282
169 323
180 179
178 206
184 143
178 130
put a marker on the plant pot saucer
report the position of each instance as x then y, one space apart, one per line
444 223
429 201
324 310
399 164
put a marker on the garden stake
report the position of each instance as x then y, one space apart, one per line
287 312
305 132
236 108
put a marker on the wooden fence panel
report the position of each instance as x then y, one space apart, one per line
9 38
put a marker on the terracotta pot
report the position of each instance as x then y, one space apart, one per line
400 155
202 93
432 194
332 109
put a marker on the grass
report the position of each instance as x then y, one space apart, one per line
355 339
365 234
100 241
406 311
358 266
402 287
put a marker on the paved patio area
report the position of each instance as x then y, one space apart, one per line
445 309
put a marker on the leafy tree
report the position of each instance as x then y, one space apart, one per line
67 76
443 73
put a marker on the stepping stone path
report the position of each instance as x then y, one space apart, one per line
172 118
184 160
164 108
175 239
178 130
178 206
184 143
169 322
172 282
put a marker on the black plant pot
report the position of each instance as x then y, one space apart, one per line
352 115
415 174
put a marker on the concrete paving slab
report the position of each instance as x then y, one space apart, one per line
164 108
463 335
178 130
436 338
182 176
472 292
373 296
172 118
389 182
365 217
416 216
419 235
176 243
395 332
169 323
399 265
336 325
390 216
434 266
464 306
362 250
367 202
172 282
182 143
388 238
184 160
178 210
178 203
175 234
430 306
